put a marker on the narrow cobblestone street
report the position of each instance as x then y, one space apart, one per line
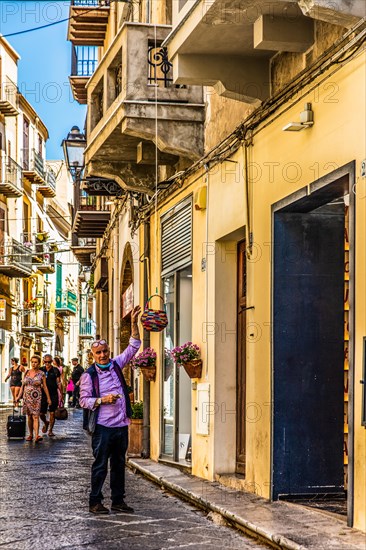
44 490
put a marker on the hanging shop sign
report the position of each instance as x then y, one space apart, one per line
26 342
127 301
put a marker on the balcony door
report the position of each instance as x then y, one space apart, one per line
25 144
176 392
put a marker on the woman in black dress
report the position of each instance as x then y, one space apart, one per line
15 375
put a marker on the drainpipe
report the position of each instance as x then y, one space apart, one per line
116 298
146 344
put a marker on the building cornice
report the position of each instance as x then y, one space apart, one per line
34 117
13 54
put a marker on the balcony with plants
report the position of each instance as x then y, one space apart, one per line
15 258
88 22
134 104
32 315
42 251
11 184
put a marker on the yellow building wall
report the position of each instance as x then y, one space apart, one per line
198 299
281 163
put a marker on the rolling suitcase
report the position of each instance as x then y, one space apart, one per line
16 426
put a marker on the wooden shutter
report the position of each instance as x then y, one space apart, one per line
176 237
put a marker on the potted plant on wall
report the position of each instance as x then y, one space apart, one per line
188 355
135 430
32 303
146 363
42 236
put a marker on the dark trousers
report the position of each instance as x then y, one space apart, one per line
108 443
75 396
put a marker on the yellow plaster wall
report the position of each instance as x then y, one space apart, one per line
198 298
283 162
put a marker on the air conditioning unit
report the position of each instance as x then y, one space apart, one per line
2 336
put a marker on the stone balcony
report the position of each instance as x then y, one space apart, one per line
92 215
11 183
33 167
8 98
15 259
228 44
134 104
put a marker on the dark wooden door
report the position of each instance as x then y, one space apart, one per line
308 343
241 360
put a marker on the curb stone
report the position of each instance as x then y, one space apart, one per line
275 540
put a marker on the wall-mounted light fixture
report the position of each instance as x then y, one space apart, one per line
306 120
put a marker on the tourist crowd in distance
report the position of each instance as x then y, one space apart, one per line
44 388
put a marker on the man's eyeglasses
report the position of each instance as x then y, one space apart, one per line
99 343
47 361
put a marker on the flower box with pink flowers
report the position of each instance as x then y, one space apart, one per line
188 355
146 363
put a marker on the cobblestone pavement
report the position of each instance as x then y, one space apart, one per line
44 495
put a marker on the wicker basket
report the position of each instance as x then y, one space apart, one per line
154 320
193 368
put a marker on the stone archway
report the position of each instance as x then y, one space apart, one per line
126 282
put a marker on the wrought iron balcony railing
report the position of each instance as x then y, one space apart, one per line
30 320
10 177
87 242
91 3
42 254
33 164
48 187
160 68
8 97
86 328
66 302
51 178
84 60
15 258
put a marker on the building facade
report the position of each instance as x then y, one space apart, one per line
33 237
243 175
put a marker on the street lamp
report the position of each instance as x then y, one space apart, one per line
74 146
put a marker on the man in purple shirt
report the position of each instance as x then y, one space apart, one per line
103 389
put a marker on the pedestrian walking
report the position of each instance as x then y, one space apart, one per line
33 383
104 393
70 390
15 375
77 371
57 363
53 383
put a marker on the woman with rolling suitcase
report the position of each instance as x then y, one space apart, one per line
15 375
31 391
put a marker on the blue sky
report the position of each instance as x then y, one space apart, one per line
45 64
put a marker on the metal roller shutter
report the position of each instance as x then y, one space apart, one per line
176 237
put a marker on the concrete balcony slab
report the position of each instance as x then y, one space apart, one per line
229 43
140 108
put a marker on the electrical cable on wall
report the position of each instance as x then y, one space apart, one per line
156 161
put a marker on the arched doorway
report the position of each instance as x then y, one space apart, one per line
126 304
